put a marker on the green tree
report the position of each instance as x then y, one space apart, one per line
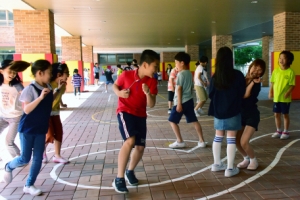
244 55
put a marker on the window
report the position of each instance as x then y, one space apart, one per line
114 59
6 18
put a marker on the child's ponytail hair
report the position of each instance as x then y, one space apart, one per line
16 66
58 68
40 65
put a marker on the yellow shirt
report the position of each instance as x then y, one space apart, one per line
282 80
56 101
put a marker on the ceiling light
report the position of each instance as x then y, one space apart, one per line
178 38
169 43
254 1
192 32
263 32
213 22
82 8
94 29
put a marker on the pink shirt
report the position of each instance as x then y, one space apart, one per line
173 75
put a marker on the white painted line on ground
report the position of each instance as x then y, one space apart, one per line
258 175
275 161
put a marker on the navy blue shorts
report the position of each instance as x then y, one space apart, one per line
187 111
280 107
108 82
131 125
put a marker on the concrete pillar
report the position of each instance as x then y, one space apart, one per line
165 59
88 62
219 41
34 38
193 51
71 47
286 31
267 48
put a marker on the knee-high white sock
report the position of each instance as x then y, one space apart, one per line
216 147
231 149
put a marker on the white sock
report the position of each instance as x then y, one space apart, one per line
246 158
231 149
216 147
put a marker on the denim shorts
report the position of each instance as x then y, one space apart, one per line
231 124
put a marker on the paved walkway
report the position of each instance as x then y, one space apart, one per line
92 142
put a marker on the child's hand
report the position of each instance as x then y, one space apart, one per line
145 89
287 95
179 108
61 83
124 93
44 92
257 80
64 105
270 95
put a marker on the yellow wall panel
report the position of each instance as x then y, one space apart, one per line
31 58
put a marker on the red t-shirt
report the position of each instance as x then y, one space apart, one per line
136 103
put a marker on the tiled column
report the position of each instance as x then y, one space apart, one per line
88 61
34 38
165 59
286 31
193 51
71 47
218 41
267 48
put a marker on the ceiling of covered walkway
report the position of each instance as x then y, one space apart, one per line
116 24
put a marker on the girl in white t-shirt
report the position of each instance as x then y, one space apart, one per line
159 78
10 106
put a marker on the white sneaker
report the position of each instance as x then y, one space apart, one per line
284 136
32 190
244 163
176 145
201 144
253 164
196 113
45 158
201 111
220 167
7 176
169 111
276 135
105 91
231 172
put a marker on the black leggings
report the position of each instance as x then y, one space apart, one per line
78 90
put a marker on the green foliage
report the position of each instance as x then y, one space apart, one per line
247 54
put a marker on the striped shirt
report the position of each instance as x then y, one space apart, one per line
76 80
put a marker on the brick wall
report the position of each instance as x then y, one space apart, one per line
87 54
96 58
71 47
219 41
7 36
286 31
267 48
167 56
193 50
34 31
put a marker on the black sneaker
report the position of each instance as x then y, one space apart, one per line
130 177
120 185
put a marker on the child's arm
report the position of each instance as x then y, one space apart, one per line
271 91
179 98
288 93
28 107
151 98
120 93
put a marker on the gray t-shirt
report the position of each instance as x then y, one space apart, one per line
185 80
29 94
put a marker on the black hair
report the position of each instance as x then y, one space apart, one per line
136 65
40 65
75 71
183 57
128 63
260 63
118 66
134 61
203 59
224 74
16 66
58 68
197 63
289 56
149 56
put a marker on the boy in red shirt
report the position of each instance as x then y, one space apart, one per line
136 90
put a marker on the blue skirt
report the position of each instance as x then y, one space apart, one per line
231 124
